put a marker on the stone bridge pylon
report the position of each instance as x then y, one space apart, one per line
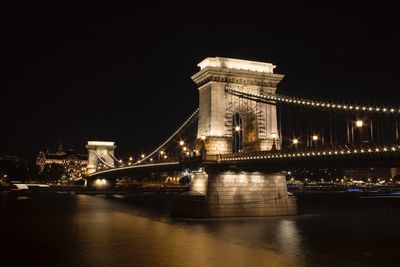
100 152
232 124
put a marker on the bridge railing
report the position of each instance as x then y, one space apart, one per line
338 150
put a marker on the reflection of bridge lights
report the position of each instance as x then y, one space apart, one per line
315 137
359 123
237 128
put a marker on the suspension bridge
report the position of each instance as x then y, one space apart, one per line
245 133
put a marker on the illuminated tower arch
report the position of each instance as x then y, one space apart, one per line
217 107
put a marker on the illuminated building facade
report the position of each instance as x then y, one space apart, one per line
74 164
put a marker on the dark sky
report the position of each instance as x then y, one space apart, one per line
105 70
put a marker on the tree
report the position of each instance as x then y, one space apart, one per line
52 172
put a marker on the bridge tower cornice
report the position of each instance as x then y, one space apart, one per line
233 76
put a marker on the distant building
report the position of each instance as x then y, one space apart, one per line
74 164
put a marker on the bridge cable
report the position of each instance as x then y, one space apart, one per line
114 158
105 163
270 98
191 118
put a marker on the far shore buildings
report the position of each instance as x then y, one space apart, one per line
74 164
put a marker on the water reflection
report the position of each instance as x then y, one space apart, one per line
111 237
289 241
79 230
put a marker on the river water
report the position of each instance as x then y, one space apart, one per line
80 230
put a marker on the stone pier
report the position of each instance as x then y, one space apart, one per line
236 194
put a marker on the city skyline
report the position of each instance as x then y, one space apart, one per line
116 72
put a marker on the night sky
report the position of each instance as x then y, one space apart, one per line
104 70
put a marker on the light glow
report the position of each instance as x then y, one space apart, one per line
359 123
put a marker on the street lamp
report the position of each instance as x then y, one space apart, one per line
237 139
160 156
315 139
295 142
273 136
359 125
181 143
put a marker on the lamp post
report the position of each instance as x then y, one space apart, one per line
359 125
161 155
315 140
295 142
237 138
273 136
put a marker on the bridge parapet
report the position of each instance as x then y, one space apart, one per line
328 152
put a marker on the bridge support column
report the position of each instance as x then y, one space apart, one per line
237 194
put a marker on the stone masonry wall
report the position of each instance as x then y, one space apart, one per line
232 194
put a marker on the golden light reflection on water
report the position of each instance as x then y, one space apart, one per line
289 241
111 235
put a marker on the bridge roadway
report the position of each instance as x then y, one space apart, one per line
279 160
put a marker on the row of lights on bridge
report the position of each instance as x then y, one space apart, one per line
162 154
312 103
295 141
310 154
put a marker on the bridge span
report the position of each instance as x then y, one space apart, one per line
244 134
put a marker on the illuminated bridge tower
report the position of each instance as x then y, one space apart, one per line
228 123
231 124
100 152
